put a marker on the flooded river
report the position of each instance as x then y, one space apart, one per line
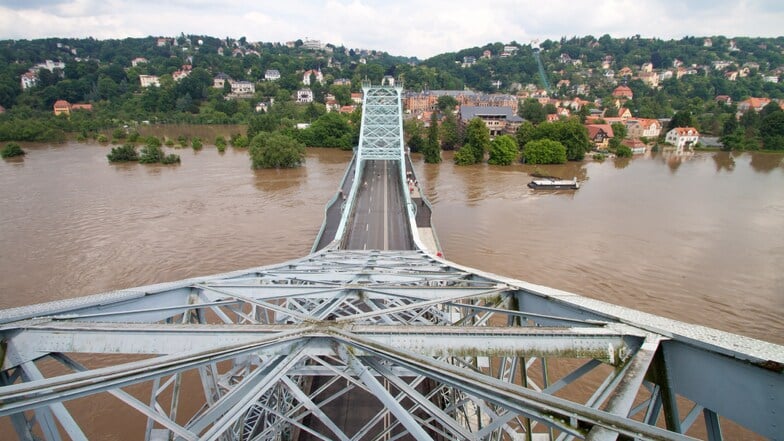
699 239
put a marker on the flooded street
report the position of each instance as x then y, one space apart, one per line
699 240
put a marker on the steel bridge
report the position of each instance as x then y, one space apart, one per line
374 336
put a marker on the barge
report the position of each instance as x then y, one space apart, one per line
554 184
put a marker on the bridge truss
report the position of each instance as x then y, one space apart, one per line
381 136
447 352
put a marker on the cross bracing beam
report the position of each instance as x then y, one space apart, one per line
38 339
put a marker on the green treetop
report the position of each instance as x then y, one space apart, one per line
477 139
276 150
503 150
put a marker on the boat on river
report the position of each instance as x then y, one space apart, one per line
554 184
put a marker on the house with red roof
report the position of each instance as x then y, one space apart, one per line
637 147
600 135
753 103
62 107
624 113
683 137
623 91
643 128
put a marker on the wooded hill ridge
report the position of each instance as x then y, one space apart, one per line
666 76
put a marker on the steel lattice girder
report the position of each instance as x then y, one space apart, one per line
388 310
381 134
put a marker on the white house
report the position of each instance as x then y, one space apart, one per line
242 88
313 45
683 137
219 80
316 73
305 96
149 80
29 79
50 65
271 75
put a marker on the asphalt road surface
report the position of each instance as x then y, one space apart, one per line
379 221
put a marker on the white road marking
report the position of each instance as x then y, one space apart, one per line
386 220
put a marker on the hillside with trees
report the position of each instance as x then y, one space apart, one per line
667 77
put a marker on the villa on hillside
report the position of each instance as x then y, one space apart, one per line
623 91
271 75
242 88
315 73
149 80
304 96
220 80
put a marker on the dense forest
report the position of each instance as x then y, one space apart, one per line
102 72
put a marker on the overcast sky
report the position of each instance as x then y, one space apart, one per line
419 28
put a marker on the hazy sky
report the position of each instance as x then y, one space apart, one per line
419 28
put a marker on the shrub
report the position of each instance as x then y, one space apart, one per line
12 149
134 136
151 154
152 141
169 142
220 143
125 153
465 156
196 143
119 133
171 159
599 156
623 152
102 138
182 140
239 141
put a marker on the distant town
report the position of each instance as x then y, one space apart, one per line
632 93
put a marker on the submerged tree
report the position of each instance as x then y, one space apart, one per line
124 153
431 149
477 141
544 151
503 150
12 149
276 150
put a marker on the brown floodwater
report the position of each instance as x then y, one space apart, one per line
698 239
